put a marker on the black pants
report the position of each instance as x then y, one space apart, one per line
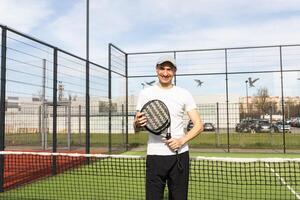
163 169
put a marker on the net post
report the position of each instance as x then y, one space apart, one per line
2 104
54 141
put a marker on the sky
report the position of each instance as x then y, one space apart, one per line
155 25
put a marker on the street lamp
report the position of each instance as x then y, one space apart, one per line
249 83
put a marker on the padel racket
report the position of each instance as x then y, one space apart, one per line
158 117
159 121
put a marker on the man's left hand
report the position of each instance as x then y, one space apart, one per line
174 143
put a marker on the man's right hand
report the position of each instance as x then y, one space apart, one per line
140 120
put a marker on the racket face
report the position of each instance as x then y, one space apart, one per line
158 116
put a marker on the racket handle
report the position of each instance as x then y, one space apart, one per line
168 136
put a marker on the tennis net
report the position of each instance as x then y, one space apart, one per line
32 175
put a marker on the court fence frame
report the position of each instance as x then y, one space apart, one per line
282 105
119 70
55 103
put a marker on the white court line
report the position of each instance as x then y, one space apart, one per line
284 182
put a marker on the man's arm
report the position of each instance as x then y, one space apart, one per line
196 130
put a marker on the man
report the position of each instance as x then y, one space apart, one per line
162 163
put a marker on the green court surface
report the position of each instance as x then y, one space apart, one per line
123 178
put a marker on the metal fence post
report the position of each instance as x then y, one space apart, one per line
79 124
40 127
43 108
218 125
87 90
175 77
126 104
109 99
227 102
54 140
282 100
2 104
68 124
123 125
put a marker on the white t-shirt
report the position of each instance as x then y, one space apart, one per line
178 101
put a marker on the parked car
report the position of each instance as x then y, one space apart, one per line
295 122
254 126
206 126
209 127
245 125
278 127
263 126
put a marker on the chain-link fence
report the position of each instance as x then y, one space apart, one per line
249 95
50 97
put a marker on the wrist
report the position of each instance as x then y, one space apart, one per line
135 124
182 141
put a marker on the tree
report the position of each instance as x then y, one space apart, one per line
262 101
104 106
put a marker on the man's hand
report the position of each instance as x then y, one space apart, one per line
139 121
174 143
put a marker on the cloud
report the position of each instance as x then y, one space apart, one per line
271 32
24 15
157 25
106 24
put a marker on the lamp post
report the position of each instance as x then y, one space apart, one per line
249 83
246 97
